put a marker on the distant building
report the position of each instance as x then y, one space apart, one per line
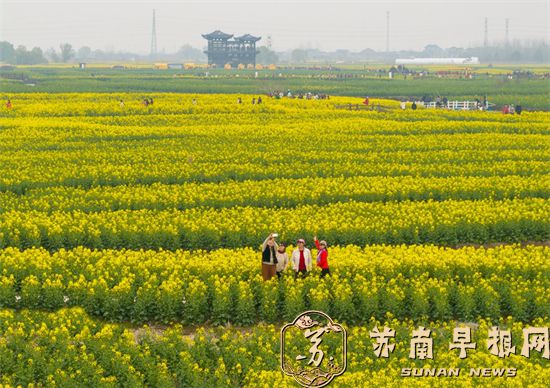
178 66
224 50
81 65
437 61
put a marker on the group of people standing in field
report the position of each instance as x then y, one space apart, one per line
511 109
368 102
300 95
275 259
255 101
147 101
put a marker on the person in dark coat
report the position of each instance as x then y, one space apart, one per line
269 257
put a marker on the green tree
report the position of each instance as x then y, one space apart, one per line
298 55
84 52
433 50
7 52
36 56
67 52
33 57
50 53
266 56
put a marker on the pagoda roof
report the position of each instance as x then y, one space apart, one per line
248 37
217 35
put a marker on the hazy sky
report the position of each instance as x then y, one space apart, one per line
125 25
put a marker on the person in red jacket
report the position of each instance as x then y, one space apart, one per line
322 256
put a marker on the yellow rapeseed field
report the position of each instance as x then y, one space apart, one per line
130 235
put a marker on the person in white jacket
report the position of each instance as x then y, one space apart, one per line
301 259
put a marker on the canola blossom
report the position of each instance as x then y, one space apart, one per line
129 236
70 348
225 285
448 222
220 141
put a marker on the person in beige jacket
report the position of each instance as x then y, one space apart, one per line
282 260
301 259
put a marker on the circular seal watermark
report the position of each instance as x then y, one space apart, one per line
313 349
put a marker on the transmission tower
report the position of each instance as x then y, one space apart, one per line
387 31
486 38
507 36
154 37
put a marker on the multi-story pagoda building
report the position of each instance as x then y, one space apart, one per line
225 49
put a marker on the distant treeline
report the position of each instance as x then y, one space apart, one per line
515 52
20 55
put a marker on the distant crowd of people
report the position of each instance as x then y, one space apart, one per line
441 102
300 95
275 259
255 100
